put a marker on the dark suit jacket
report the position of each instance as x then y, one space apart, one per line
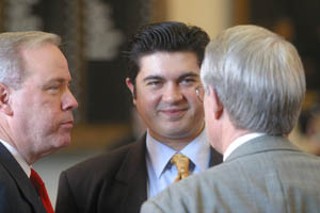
17 193
114 182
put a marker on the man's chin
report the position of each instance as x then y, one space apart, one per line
61 143
64 143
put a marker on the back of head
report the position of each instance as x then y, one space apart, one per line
11 63
258 77
166 37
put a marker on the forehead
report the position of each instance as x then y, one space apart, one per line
168 64
45 61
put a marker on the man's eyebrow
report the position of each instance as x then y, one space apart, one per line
153 77
189 74
185 75
58 80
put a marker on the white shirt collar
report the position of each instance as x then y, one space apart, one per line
160 154
24 165
240 141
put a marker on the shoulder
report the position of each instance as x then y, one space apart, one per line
106 164
84 183
195 193
14 188
102 164
5 178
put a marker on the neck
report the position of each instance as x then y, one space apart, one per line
176 143
232 137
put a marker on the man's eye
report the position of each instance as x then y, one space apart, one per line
188 81
154 83
54 87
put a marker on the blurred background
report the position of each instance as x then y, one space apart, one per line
95 34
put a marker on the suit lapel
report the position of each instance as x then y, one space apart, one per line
21 179
133 174
215 157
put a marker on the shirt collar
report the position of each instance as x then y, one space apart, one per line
240 141
24 165
198 151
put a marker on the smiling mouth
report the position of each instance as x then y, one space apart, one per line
174 112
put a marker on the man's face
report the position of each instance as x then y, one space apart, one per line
42 109
165 96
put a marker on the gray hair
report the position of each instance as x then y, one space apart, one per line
12 71
258 77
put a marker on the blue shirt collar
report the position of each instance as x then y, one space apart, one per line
198 151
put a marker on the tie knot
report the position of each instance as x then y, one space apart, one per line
36 179
182 163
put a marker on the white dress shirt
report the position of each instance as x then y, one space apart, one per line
240 141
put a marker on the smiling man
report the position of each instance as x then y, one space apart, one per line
165 61
35 114
166 99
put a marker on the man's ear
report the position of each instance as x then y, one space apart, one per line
131 87
5 106
216 103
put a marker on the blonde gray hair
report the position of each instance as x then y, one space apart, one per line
258 76
12 71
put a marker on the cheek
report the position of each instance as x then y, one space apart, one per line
205 108
208 116
45 114
145 107
194 100
147 99
42 118
34 110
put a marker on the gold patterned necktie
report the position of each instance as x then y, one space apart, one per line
182 163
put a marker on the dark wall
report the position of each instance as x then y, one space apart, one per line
99 80
108 97
304 20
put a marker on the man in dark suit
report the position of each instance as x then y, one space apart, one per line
35 115
254 86
165 61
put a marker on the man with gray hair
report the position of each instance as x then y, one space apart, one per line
253 89
35 115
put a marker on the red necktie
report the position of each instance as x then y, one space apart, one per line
42 191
